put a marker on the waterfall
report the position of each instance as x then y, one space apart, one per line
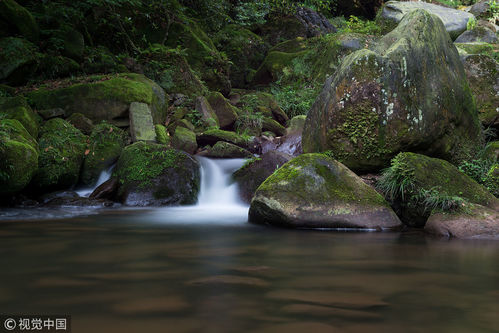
103 177
218 199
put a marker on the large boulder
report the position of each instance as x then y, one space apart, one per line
478 35
409 94
104 98
18 60
418 185
455 21
472 222
141 122
19 20
212 136
482 74
255 171
18 108
62 148
208 115
105 145
184 139
315 191
227 150
19 156
481 9
151 174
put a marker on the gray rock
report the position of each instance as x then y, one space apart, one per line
455 21
478 35
141 123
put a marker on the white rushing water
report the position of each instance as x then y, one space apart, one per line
218 200
103 177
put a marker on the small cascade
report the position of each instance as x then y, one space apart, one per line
103 177
218 199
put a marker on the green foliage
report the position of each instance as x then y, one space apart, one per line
290 6
251 13
295 99
195 118
397 180
471 23
479 170
358 25
433 200
249 123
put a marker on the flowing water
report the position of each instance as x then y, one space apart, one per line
195 270
103 177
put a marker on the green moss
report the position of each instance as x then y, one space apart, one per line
19 163
184 139
491 50
18 60
141 162
105 145
20 18
62 148
227 136
162 136
18 108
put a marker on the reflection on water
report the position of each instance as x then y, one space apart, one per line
123 271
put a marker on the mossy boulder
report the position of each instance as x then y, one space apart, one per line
226 112
255 171
106 97
273 126
171 71
227 150
18 60
474 222
419 185
202 54
81 122
409 94
162 136
105 145
19 156
18 108
482 73
244 49
184 139
19 20
492 151
393 12
491 50
62 149
54 67
151 174
315 191
212 136
73 43
296 125
208 115
479 34
264 103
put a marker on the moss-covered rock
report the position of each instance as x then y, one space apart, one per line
206 112
81 122
73 42
54 67
296 125
18 60
104 97
162 136
184 139
482 72
19 156
105 145
491 50
227 150
226 113
253 173
154 175
315 191
409 94
492 151
171 71
245 50
212 136
19 19
264 103
479 34
202 54
474 222
62 148
273 126
418 185
18 108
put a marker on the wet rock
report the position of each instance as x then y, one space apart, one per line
455 21
106 190
475 222
57 195
250 176
78 202
289 144
372 108
151 174
141 123
227 150
315 191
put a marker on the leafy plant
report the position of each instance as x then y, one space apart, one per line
358 25
471 23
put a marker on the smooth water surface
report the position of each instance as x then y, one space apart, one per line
131 271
